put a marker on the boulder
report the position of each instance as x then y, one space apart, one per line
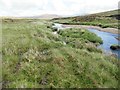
115 47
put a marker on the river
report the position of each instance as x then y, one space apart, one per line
108 39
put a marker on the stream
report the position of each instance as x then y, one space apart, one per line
108 39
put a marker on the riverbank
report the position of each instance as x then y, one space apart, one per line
111 30
108 38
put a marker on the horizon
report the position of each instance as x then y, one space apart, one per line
31 8
55 14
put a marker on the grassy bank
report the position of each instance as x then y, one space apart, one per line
104 19
33 57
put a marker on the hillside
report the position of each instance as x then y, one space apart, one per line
103 19
34 57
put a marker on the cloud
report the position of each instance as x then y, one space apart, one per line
60 7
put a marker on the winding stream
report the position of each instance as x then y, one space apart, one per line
108 39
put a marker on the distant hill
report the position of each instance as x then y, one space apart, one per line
46 16
102 19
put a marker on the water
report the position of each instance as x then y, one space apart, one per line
57 25
108 40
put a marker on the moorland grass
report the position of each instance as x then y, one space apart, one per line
33 57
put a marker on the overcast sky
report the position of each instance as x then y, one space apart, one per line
59 7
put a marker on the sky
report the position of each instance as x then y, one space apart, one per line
59 7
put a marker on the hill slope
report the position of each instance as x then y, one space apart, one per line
34 57
103 19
